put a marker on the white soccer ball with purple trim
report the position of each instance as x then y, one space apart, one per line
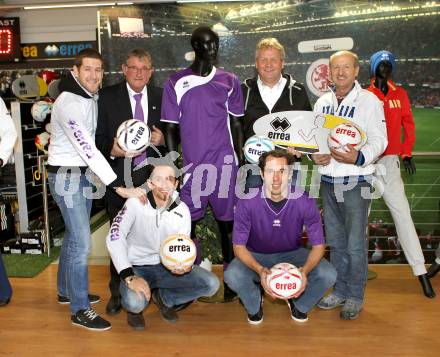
133 135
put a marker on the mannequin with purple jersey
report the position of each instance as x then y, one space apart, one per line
200 106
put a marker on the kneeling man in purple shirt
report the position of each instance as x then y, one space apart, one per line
267 231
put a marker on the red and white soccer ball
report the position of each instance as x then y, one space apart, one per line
344 135
284 280
48 76
42 142
178 251
133 135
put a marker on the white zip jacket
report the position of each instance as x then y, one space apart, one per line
72 140
364 109
8 134
138 230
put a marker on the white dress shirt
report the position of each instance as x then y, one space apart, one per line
144 101
271 95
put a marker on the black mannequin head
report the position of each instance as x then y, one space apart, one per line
384 70
205 43
383 73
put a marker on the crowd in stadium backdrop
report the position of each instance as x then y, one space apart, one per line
259 232
416 40
420 79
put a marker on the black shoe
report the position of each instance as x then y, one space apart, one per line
168 314
93 299
229 295
113 306
426 286
136 321
296 315
433 270
183 306
257 318
5 302
89 319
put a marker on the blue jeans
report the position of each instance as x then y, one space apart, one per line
174 289
345 222
73 276
245 282
5 286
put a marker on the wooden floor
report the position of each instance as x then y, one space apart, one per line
397 321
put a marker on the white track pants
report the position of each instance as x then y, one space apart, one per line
394 196
437 254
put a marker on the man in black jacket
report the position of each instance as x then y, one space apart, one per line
132 98
270 91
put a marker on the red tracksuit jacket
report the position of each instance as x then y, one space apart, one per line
397 114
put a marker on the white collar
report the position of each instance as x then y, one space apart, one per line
131 92
281 82
92 95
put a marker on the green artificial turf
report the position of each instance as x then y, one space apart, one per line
28 265
427 122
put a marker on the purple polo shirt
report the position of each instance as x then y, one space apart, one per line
263 230
200 105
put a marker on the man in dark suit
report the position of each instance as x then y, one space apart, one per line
133 98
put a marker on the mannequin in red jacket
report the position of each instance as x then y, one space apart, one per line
398 114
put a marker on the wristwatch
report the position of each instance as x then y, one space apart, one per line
129 279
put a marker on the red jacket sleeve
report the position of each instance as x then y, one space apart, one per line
409 135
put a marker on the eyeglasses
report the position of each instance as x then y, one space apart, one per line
158 180
137 69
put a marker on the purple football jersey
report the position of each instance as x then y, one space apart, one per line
258 226
200 105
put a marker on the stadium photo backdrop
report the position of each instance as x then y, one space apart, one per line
310 32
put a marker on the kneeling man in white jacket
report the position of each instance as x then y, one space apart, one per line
134 242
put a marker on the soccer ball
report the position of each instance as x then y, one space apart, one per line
48 128
133 135
284 280
255 146
48 76
343 135
40 110
42 142
178 251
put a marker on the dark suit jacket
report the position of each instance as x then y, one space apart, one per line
113 109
